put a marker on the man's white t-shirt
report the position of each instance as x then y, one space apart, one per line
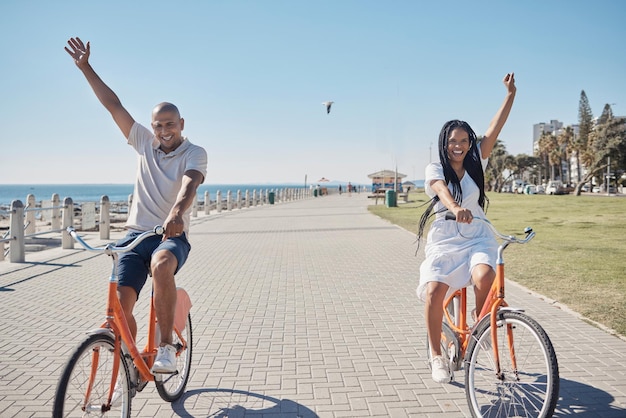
159 177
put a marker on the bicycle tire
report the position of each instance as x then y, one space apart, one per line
532 391
69 399
450 349
172 386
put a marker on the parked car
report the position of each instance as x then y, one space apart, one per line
521 188
596 189
530 189
584 188
555 187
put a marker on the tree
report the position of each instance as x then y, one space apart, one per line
526 166
499 161
606 140
566 142
579 145
549 152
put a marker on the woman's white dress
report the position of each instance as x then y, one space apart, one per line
453 249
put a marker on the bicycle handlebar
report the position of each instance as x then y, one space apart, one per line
111 248
530 234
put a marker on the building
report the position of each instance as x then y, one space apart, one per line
385 180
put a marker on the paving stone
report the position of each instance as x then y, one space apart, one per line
301 309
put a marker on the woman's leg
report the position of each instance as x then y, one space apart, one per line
433 311
482 277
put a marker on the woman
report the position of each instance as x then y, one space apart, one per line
458 255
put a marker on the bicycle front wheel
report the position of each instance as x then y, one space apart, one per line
83 390
172 386
529 390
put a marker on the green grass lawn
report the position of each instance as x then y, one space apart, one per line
577 257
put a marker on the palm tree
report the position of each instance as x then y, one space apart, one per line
549 152
499 161
607 139
566 143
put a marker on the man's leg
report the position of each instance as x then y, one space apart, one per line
170 256
164 265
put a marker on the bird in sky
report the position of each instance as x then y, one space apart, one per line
328 105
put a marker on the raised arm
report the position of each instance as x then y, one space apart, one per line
80 52
498 121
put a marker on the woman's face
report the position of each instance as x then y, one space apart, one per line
458 145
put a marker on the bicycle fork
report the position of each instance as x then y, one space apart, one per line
496 294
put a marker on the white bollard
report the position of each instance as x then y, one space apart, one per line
218 201
17 246
67 242
207 203
31 225
55 222
104 226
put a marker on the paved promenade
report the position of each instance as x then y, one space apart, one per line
301 309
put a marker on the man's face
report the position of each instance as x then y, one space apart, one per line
168 127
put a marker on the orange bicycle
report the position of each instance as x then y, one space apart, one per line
107 369
511 368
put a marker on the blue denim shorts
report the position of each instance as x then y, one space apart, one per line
134 266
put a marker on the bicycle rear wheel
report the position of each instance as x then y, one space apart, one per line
172 386
83 389
531 390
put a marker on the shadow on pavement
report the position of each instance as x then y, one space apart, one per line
233 403
582 400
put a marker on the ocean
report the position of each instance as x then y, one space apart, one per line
119 192
116 192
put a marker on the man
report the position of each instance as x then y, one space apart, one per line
170 169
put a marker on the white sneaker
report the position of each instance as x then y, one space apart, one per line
165 361
440 370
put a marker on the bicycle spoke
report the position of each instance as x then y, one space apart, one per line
531 389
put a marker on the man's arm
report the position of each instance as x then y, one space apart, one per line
498 121
174 224
80 52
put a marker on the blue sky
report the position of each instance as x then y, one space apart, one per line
250 77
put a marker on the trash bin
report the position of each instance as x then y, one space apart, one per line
270 197
391 199
314 192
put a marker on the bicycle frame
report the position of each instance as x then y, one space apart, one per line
117 325
457 302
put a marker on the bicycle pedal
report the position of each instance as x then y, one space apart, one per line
141 384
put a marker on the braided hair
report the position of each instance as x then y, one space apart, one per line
471 163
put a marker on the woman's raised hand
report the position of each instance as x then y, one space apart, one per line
79 51
509 82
